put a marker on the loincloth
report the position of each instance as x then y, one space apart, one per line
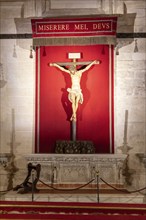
76 92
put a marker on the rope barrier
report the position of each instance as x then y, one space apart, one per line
9 189
82 186
6 190
67 189
121 190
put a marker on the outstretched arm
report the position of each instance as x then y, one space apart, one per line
59 67
90 64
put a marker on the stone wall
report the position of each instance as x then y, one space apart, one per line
17 76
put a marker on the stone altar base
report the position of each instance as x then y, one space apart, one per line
72 170
74 147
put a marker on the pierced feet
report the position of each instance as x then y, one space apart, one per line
73 118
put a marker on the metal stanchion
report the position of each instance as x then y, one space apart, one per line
32 187
97 184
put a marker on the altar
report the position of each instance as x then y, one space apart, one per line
72 46
72 170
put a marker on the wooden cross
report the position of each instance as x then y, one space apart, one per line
74 57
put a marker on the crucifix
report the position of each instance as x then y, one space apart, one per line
75 95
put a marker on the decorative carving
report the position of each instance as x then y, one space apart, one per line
74 147
142 158
79 168
4 159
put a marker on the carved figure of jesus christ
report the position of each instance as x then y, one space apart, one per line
75 92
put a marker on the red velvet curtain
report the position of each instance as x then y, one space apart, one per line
53 109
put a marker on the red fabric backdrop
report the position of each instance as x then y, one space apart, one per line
53 109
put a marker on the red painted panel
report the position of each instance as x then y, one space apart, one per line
55 109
